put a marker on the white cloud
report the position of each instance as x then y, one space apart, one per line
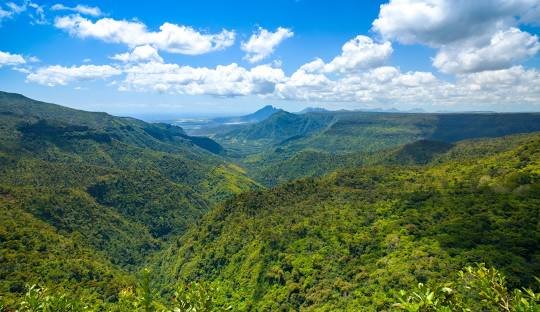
360 53
484 60
60 75
38 17
15 8
224 80
357 54
378 85
504 49
145 53
389 87
34 11
79 8
11 9
263 43
9 59
170 37
439 22
470 35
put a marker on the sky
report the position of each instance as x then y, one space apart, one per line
207 58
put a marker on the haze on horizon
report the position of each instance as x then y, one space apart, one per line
213 58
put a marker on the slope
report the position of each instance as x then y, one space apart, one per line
351 240
122 187
348 137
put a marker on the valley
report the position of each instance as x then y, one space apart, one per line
316 211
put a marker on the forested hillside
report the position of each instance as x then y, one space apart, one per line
89 201
106 192
286 146
351 240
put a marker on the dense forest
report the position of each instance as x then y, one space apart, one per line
322 211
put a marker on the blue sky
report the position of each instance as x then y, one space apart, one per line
230 57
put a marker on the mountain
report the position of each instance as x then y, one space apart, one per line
261 114
313 110
288 146
351 240
115 214
108 190
257 116
278 127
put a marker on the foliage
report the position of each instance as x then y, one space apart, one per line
476 289
348 240
194 297
86 198
278 148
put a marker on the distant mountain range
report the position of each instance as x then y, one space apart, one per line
313 110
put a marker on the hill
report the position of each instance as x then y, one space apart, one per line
254 117
352 239
313 110
273 150
114 188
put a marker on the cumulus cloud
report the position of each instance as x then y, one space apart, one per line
263 43
79 8
504 49
145 53
359 53
9 59
388 86
170 37
60 75
224 80
374 85
470 35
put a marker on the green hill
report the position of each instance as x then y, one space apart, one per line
88 199
117 188
276 150
350 240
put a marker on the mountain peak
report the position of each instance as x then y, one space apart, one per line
261 114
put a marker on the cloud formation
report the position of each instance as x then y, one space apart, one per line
144 53
170 37
470 36
79 8
388 86
504 49
224 80
263 43
9 59
61 75
11 9
357 54
479 42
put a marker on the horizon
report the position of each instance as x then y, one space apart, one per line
211 59
175 117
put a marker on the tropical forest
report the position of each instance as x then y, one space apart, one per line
398 173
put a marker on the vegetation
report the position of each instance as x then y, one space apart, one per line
280 147
350 240
86 198
389 202
475 289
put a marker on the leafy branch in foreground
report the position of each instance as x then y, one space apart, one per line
194 297
475 289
